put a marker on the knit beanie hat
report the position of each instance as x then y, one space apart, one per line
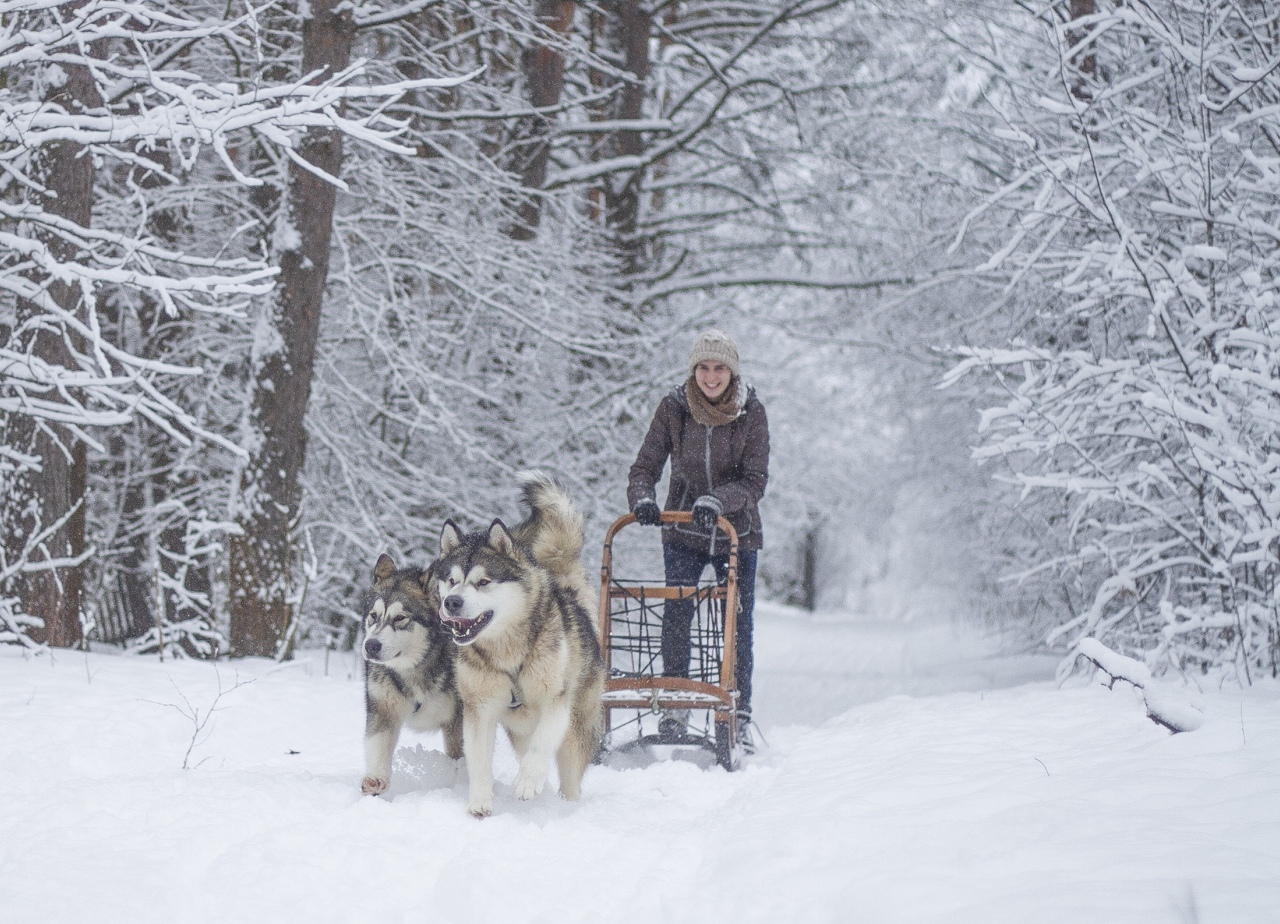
716 346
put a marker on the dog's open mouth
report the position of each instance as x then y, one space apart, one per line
465 630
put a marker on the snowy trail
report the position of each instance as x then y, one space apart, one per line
811 669
983 794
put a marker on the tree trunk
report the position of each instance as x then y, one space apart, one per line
36 499
622 35
283 365
809 571
544 78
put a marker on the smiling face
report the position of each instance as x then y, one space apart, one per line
712 378
470 600
478 581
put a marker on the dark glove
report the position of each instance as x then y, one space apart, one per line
646 511
705 511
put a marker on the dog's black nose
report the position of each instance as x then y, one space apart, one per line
372 648
453 605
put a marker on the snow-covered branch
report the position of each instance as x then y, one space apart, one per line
1165 707
1141 407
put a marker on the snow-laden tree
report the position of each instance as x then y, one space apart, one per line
140 93
1137 163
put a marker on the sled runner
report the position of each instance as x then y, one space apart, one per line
703 706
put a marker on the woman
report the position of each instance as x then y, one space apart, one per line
714 431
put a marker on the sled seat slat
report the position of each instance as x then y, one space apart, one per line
621 700
658 592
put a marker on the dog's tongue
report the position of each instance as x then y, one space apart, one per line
466 629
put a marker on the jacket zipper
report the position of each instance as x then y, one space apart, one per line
706 458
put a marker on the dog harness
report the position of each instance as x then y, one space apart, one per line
517 692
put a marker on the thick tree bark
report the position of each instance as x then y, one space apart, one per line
35 500
622 35
283 365
544 78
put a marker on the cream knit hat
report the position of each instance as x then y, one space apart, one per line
717 346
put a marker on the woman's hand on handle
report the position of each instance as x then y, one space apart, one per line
646 511
706 510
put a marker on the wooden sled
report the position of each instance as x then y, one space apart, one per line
631 614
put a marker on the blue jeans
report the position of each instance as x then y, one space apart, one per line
684 566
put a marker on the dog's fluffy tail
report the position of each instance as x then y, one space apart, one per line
552 532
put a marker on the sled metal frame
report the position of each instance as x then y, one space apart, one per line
655 693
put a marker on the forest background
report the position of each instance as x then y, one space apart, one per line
283 285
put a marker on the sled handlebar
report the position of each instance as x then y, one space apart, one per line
673 517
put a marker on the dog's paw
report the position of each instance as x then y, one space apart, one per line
529 784
480 808
372 786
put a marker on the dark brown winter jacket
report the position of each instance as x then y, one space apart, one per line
730 462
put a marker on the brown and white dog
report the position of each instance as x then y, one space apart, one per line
518 605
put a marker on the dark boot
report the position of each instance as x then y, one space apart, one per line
746 740
673 727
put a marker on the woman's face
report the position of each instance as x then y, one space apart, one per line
712 377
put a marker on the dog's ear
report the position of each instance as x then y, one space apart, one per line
500 540
384 568
450 537
429 581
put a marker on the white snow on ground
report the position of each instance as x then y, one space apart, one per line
912 775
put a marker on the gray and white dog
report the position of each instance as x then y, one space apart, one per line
519 607
409 675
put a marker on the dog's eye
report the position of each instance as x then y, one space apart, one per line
373 617
483 582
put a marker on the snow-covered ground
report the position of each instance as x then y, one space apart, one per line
911 775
